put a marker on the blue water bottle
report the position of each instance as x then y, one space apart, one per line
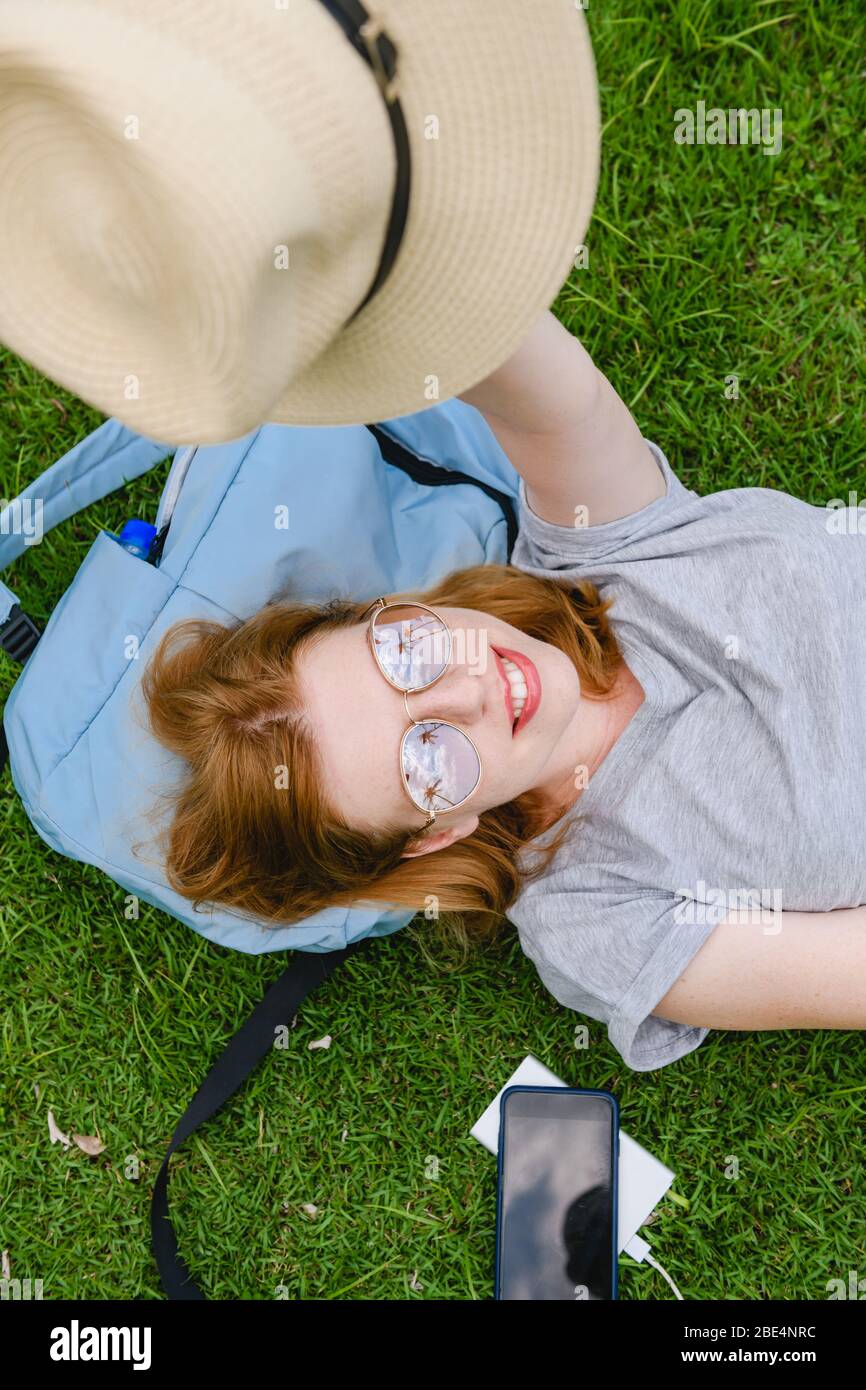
137 538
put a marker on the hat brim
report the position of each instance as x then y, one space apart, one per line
501 200
140 270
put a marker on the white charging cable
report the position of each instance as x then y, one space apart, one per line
639 1249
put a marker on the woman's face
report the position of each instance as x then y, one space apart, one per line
358 720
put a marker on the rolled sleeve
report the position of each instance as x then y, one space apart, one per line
547 546
614 961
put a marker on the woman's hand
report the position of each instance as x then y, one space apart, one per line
566 431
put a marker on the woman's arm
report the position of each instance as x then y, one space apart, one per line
805 970
566 431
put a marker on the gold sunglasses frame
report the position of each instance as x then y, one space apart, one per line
379 606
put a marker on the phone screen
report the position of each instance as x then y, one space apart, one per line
557 1203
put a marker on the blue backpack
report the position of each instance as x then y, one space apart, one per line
320 512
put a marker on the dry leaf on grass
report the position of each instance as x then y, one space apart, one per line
89 1144
55 1134
321 1042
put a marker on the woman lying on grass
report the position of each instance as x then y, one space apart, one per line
642 742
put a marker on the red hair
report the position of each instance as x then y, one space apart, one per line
225 699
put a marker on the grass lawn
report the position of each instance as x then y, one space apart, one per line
705 262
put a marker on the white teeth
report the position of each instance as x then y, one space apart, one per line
516 681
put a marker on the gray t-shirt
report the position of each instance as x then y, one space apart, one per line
741 780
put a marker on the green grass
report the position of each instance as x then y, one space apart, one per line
704 262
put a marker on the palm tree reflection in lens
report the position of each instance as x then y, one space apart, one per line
440 765
412 645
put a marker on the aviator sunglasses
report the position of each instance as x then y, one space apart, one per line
439 765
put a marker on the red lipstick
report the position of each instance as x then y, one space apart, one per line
530 674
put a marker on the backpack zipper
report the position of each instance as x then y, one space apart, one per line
173 484
423 470
419 469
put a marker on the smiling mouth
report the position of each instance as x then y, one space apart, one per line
522 686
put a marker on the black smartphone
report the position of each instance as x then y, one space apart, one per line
556 1216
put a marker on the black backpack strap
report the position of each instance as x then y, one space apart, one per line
19 634
247 1048
437 475
18 638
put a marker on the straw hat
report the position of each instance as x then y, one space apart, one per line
196 200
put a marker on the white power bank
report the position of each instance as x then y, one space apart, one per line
643 1180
